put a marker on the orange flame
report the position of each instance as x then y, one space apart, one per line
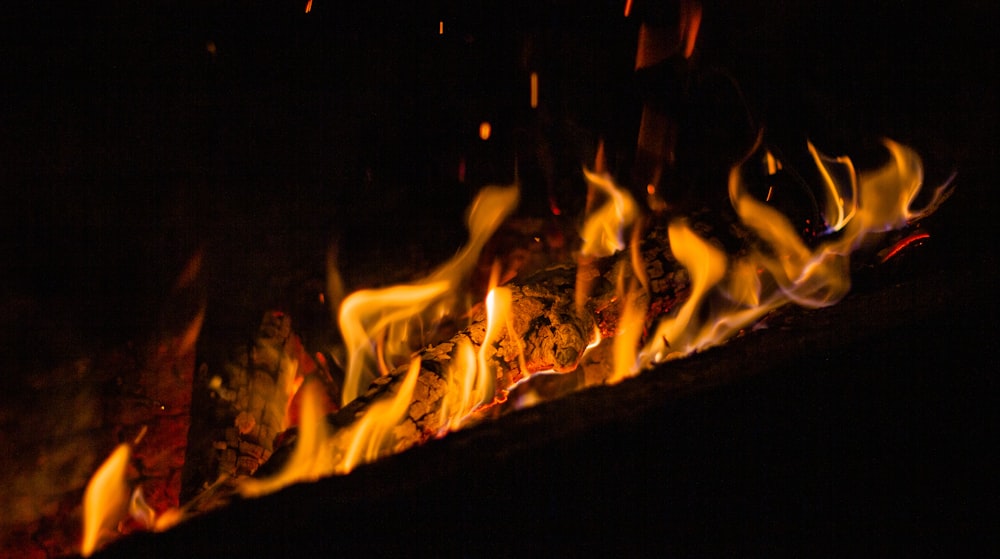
603 228
787 270
105 499
319 452
384 316
840 200
629 331
690 23
602 231
471 378
706 265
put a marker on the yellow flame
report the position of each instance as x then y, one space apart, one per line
631 321
887 194
319 452
471 381
311 457
373 435
786 269
385 316
602 231
706 266
839 199
471 377
288 384
463 376
105 499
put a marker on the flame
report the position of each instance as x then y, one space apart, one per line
471 377
602 231
725 295
319 452
385 316
603 228
289 382
311 457
105 499
784 269
629 332
840 205
690 23
372 436
706 266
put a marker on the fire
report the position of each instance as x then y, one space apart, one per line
472 379
630 329
386 318
603 230
105 499
320 452
382 328
840 201
706 265
784 268
725 295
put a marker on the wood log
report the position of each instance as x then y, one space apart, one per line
253 397
547 332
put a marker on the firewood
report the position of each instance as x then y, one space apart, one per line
546 332
253 396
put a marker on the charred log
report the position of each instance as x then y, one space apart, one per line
547 333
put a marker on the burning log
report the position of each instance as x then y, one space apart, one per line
546 331
260 379
554 316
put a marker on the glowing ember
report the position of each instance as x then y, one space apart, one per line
534 90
